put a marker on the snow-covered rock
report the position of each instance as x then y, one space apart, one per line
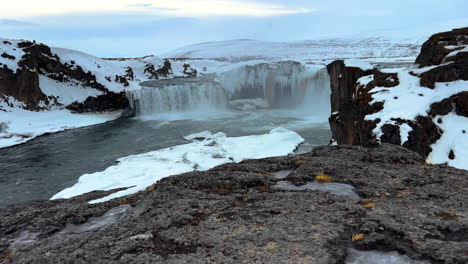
422 107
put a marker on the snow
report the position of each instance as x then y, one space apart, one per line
358 64
139 171
405 129
461 48
455 137
309 50
199 136
409 100
378 257
25 125
67 93
12 50
365 80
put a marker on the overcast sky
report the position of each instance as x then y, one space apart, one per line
120 28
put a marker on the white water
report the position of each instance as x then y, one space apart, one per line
285 85
177 95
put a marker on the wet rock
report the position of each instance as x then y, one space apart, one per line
231 214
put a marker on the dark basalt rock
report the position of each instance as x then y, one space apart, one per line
457 70
231 214
434 51
189 71
457 103
350 101
22 85
122 80
343 87
153 74
8 56
109 101
166 69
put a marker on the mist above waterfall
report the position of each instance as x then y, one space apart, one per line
287 85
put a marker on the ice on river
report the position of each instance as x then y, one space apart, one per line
140 171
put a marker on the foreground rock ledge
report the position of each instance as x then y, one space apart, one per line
232 214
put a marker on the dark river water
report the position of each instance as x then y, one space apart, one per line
46 165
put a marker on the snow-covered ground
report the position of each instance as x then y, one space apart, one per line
373 48
20 126
139 171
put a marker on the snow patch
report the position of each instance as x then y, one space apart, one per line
454 138
23 125
405 129
67 93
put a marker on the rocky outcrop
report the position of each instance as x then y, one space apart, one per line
239 213
109 101
435 50
346 108
355 119
23 84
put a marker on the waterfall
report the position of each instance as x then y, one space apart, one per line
177 95
290 85
284 85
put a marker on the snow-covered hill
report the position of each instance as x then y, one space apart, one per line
41 86
367 48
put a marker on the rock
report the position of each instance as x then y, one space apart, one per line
166 69
351 99
231 214
434 50
109 101
38 59
8 56
189 71
343 87
149 68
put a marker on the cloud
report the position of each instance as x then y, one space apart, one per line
174 8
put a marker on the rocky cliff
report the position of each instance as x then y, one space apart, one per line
259 211
418 107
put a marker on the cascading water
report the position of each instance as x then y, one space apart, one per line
285 85
176 95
